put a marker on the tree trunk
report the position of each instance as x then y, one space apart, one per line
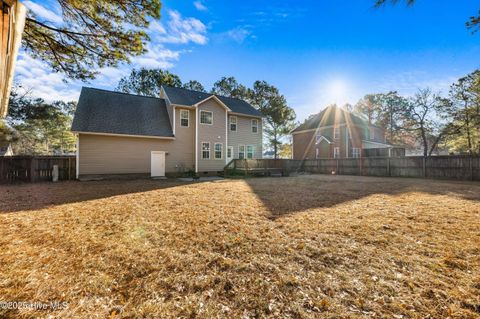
425 142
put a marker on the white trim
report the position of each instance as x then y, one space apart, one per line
173 111
319 138
196 141
188 117
231 153
126 135
378 143
209 157
201 117
215 151
77 157
230 123
226 135
216 99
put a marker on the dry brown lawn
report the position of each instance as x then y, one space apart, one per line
299 247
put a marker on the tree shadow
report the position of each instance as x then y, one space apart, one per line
21 197
287 195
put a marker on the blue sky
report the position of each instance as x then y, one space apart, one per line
315 52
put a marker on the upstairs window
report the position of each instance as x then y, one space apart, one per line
218 150
241 151
233 123
184 118
206 117
205 150
254 126
336 132
250 151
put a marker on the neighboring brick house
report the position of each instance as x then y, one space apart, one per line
119 133
336 133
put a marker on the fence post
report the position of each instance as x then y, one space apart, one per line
31 170
388 166
336 171
424 160
361 166
470 164
69 168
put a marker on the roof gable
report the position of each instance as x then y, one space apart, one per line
101 111
186 97
331 116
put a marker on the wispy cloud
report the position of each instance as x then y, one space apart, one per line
42 12
238 34
180 30
36 76
200 6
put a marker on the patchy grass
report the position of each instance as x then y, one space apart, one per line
297 247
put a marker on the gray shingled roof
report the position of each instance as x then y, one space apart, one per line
330 116
189 97
100 111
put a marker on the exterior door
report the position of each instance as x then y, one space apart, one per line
229 154
157 164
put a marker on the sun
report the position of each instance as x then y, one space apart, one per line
337 90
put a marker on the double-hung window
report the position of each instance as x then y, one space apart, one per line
205 150
218 150
184 118
206 117
250 151
254 125
241 151
336 132
336 152
318 138
355 152
233 123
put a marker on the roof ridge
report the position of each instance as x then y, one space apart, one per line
124 93
196 91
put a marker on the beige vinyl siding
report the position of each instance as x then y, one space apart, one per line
127 155
244 135
214 133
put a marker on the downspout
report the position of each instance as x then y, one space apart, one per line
196 139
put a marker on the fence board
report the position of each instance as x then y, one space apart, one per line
35 168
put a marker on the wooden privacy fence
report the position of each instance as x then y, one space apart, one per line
445 167
35 168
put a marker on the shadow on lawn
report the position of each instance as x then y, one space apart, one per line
14 198
284 196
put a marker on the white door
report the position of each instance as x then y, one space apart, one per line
157 164
229 154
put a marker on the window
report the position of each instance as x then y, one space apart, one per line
206 117
355 152
241 151
336 152
184 117
318 138
254 126
230 152
372 133
250 151
233 123
317 153
218 150
336 132
205 150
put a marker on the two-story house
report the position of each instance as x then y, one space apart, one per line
336 133
182 130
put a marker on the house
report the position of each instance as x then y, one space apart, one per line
5 149
183 130
336 133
